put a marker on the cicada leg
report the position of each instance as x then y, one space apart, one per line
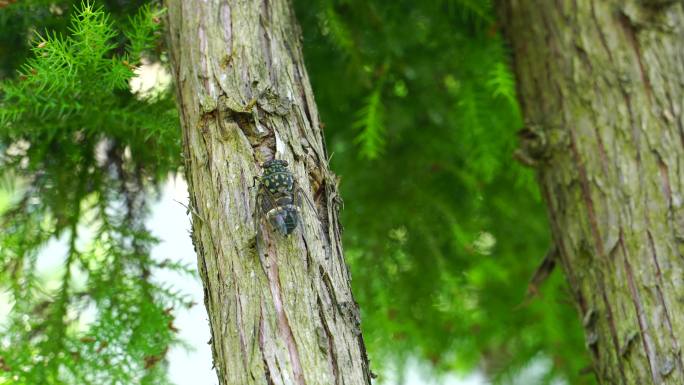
255 179
258 212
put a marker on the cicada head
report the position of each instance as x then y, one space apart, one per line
274 165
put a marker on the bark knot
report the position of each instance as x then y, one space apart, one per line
533 145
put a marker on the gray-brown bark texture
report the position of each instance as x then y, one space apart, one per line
286 316
602 89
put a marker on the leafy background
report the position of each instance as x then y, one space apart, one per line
443 230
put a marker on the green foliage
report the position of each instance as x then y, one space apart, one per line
84 155
371 126
333 27
502 84
478 11
143 31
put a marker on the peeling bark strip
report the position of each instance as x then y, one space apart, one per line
286 316
608 75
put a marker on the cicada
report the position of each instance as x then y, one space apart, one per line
278 199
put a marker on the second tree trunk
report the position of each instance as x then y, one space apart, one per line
601 86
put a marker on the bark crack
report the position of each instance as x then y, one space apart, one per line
641 318
332 352
262 348
600 253
241 333
273 276
631 34
602 36
675 343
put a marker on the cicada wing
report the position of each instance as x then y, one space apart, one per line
259 213
300 195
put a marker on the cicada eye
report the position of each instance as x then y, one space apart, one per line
285 163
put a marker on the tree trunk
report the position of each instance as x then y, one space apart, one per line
602 88
286 316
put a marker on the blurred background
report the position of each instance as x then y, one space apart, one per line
443 229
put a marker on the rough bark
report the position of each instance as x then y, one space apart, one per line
286 316
601 86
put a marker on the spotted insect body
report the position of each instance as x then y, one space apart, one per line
278 201
277 197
